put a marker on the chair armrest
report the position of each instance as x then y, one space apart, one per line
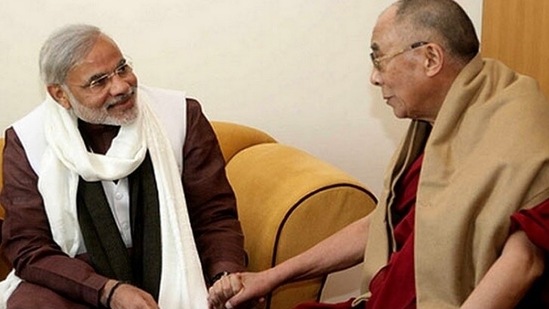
288 201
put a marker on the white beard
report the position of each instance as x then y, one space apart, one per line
101 115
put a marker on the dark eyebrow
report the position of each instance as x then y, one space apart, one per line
374 46
121 62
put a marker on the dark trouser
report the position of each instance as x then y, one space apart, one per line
32 296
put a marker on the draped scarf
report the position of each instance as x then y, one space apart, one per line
104 244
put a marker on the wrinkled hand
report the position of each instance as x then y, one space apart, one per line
241 290
127 296
223 289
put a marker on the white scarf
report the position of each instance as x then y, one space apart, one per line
66 158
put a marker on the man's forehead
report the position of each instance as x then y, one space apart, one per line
103 55
384 30
384 38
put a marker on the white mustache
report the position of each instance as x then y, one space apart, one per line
121 98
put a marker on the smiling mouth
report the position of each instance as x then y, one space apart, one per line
120 104
122 101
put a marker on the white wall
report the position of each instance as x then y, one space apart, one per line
298 69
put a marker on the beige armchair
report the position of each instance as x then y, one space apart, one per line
287 200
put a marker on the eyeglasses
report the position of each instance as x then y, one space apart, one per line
376 61
100 82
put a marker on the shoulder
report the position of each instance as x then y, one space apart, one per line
193 107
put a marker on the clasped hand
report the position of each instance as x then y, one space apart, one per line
240 290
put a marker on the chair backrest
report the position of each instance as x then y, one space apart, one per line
234 137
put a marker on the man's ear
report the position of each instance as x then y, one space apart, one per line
59 95
434 59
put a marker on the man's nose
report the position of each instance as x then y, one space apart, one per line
375 77
119 85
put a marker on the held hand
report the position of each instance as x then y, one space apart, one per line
242 289
127 296
223 289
